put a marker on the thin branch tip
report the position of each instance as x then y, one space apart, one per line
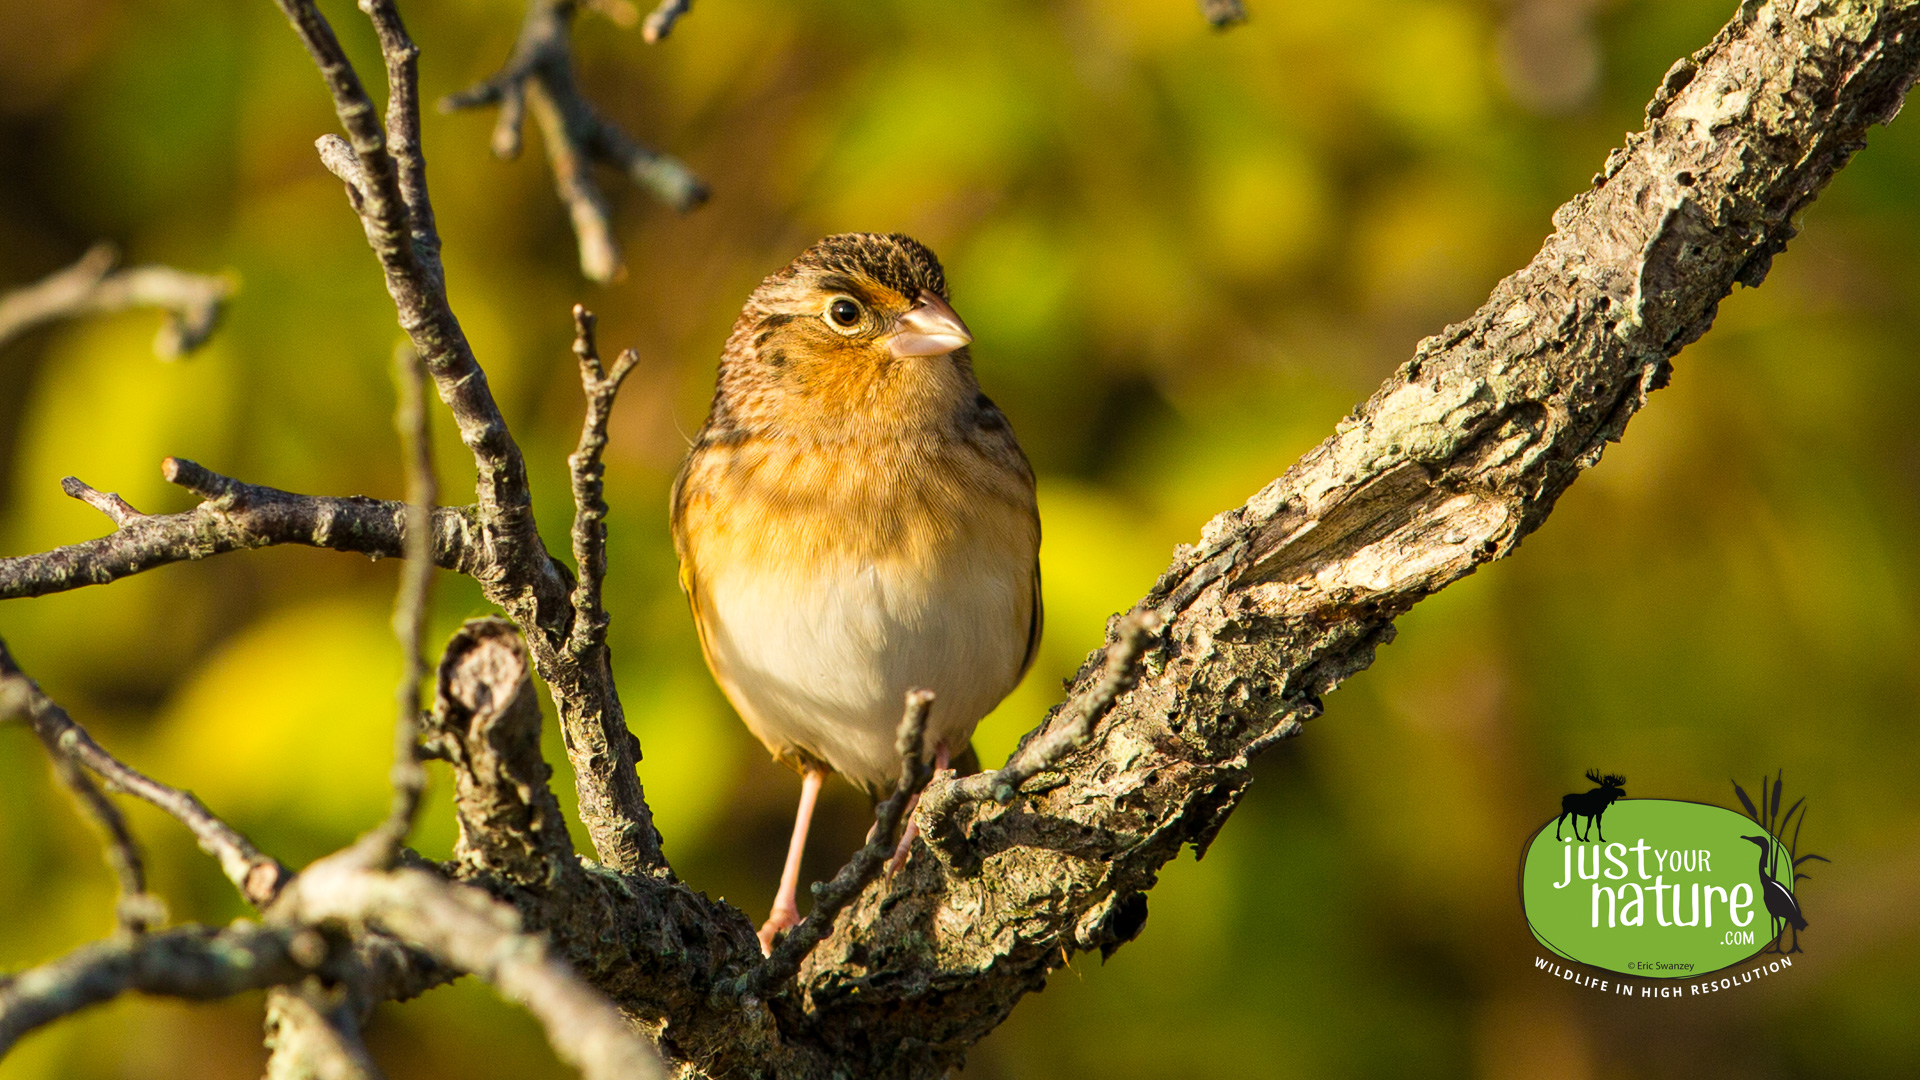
660 21
117 509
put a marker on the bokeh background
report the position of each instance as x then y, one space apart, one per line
1185 255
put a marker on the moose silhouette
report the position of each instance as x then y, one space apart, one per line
1590 804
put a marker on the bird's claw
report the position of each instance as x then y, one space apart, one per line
782 918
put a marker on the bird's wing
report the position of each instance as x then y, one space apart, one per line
1035 623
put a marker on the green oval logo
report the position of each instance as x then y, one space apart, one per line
1666 890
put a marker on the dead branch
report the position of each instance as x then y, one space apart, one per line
380 847
486 723
92 286
540 73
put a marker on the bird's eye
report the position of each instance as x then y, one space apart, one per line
843 313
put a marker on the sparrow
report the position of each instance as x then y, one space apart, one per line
855 520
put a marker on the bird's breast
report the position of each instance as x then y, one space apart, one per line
828 580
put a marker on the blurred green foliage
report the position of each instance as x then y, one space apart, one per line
1185 255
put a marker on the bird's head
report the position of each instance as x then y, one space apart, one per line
1765 844
857 327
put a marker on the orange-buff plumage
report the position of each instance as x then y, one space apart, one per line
854 520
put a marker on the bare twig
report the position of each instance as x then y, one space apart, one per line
401 236
1045 748
193 962
107 502
661 19
589 500
540 73
238 516
409 776
511 560
192 302
136 910
473 932
258 877
341 161
1222 14
830 898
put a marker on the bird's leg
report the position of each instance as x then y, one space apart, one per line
912 830
786 907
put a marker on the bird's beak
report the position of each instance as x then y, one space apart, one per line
929 328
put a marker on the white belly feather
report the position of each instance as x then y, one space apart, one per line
821 661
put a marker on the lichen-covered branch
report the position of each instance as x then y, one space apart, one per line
192 302
540 74
486 724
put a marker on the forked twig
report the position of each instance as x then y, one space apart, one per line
539 74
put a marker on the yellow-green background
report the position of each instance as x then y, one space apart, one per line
1185 255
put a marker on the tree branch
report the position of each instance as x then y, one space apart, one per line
515 569
540 73
486 723
237 517
193 962
380 846
192 302
258 877
661 20
589 631
475 933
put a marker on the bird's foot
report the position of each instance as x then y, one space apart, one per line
782 918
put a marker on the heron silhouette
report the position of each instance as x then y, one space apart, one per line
1780 902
